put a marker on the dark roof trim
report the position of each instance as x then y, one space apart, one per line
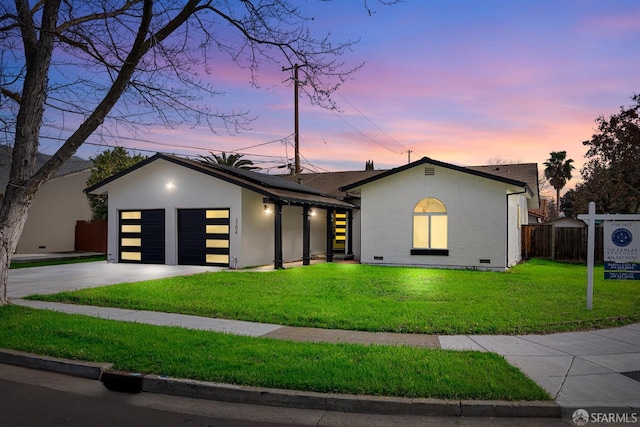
246 179
427 160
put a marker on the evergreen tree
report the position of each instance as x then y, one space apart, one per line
106 164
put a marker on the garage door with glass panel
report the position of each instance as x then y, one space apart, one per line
141 236
203 237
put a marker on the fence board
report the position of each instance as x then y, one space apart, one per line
91 236
536 241
559 244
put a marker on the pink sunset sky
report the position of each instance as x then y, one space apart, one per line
464 82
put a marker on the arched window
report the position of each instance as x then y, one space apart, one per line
430 226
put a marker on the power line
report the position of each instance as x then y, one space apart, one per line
366 136
370 121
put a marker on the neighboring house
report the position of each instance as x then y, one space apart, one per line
539 215
565 222
58 204
171 210
434 214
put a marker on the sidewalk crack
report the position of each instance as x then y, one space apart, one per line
566 375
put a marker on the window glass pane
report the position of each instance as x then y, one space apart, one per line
131 229
218 213
421 231
217 229
429 205
131 256
217 259
131 215
213 243
438 232
131 242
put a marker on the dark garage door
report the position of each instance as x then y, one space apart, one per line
203 237
142 236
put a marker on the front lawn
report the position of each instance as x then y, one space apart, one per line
534 297
60 261
209 356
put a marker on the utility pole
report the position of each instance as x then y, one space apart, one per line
409 156
296 126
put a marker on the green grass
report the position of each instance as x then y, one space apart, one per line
209 356
534 297
43 263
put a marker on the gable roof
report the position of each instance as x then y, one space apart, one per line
427 160
73 165
272 187
526 172
331 182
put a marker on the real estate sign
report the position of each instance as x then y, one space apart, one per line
622 250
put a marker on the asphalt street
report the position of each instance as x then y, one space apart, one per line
44 399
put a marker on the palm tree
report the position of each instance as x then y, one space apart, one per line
558 171
232 160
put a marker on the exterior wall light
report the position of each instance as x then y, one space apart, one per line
267 210
312 212
170 186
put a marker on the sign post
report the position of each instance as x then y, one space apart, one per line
617 239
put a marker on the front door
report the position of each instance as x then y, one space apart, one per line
339 230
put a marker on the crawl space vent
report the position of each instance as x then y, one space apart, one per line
429 171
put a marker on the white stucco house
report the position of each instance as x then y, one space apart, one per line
171 210
434 214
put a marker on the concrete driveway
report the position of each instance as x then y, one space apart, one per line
69 277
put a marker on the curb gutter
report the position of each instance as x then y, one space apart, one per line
136 382
76 368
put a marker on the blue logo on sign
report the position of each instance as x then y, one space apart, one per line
621 237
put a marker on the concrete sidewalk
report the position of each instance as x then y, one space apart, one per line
593 370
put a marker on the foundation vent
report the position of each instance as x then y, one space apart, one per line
429 171
378 258
485 261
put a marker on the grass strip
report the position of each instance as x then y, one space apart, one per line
534 297
43 263
328 368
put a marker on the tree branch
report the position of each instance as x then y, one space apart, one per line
12 95
97 116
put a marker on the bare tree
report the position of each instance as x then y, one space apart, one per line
69 69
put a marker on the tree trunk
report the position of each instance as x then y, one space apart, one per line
15 209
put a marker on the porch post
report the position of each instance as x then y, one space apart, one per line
349 232
329 235
306 235
277 253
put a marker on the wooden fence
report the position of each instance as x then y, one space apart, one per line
559 244
91 236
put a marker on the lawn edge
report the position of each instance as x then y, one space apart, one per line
278 397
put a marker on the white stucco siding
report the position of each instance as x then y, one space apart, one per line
318 236
146 188
518 216
356 234
258 231
476 213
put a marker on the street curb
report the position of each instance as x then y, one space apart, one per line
136 382
347 403
74 368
